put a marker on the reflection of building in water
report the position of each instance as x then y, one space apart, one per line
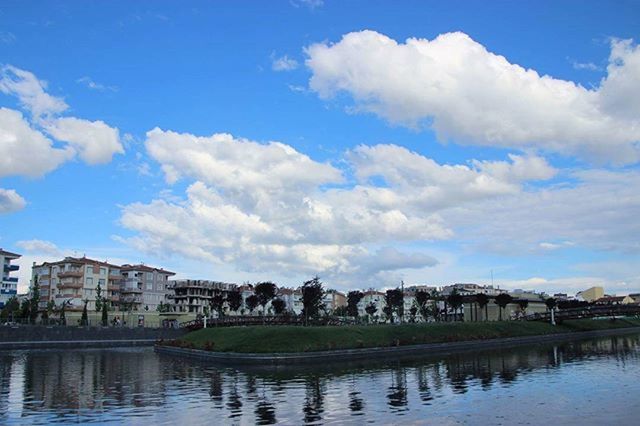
90 380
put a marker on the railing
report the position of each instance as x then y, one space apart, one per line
71 273
126 290
112 287
11 268
232 321
586 312
70 284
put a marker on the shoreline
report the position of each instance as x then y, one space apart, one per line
382 352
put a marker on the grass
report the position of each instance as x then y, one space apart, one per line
265 339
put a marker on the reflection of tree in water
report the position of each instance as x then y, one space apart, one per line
215 391
234 401
423 384
314 400
265 413
397 395
252 387
356 404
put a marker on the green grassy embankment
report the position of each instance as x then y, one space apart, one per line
265 339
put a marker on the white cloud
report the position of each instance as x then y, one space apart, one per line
267 207
88 82
26 151
284 63
39 246
95 141
30 91
589 66
311 4
472 96
10 201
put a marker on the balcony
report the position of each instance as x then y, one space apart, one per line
77 273
127 290
10 280
113 287
130 299
69 296
70 284
114 276
11 268
114 299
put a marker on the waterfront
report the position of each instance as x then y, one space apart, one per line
592 381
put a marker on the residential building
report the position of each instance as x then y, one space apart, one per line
614 300
143 287
194 295
371 296
333 299
590 294
8 284
74 281
635 297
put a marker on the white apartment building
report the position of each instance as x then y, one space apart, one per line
8 284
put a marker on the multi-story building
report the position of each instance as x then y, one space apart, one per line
74 281
194 295
590 294
8 284
143 287
371 296
333 299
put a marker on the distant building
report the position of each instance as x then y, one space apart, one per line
9 284
635 297
143 287
334 299
614 300
193 296
590 294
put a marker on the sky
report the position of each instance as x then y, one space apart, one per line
366 142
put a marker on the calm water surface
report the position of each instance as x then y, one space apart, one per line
582 382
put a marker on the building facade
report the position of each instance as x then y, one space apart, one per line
192 296
8 284
143 287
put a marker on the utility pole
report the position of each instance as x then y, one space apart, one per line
402 315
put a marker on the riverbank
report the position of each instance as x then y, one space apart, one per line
285 339
44 337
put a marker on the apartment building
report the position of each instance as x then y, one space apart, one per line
143 287
194 295
371 296
8 284
333 299
74 280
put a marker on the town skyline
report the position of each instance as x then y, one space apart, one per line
494 143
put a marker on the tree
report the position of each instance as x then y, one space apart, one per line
105 314
84 320
98 298
265 291
279 306
455 300
63 317
523 303
502 300
35 299
341 311
48 311
205 311
163 307
551 303
412 312
421 300
11 309
251 302
217 303
25 310
394 302
312 296
353 298
483 300
234 300
371 309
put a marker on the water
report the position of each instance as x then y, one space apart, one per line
583 382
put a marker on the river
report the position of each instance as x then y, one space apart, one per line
594 381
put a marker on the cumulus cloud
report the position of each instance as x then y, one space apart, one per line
284 63
30 91
26 146
268 207
472 96
95 141
39 246
26 151
10 201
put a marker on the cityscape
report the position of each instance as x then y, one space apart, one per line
319 212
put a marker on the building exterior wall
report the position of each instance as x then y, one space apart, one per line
591 294
8 283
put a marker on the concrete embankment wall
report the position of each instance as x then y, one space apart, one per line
27 337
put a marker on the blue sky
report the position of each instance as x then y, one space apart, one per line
435 160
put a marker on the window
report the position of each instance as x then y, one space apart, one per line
89 281
149 285
149 276
101 282
103 271
89 269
